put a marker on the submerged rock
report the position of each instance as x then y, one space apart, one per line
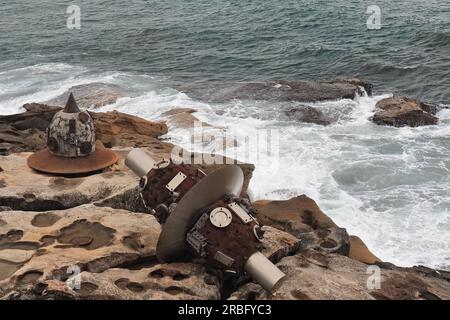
91 95
367 86
278 90
403 111
308 114
177 110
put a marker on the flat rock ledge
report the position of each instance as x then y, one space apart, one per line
90 252
22 188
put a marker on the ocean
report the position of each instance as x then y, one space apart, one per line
390 186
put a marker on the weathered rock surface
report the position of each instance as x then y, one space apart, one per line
91 95
120 129
277 90
89 238
22 188
175 281
314 275
101 253
360 252
402 111
13 140
308 114
302 218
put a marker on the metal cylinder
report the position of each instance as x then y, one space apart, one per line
263 271
139 162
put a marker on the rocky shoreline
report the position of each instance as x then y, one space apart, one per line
54 227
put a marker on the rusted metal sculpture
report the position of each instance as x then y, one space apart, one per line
162 183
205 217
71 145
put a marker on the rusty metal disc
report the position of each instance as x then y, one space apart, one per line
46 162
227 180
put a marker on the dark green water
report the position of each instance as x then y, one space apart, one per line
210 40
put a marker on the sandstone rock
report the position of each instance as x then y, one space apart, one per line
302 218
309 115
313 275
277 90
92 253
13 140
176 281
91 95
41 246
22 188
403 111
121 129
101 253
360 252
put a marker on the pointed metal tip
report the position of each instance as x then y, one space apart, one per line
71 105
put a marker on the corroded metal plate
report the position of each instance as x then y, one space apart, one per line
227 180
46 162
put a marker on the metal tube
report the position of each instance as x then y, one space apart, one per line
139 162
263 271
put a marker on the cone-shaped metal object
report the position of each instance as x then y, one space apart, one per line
71 145
71 105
